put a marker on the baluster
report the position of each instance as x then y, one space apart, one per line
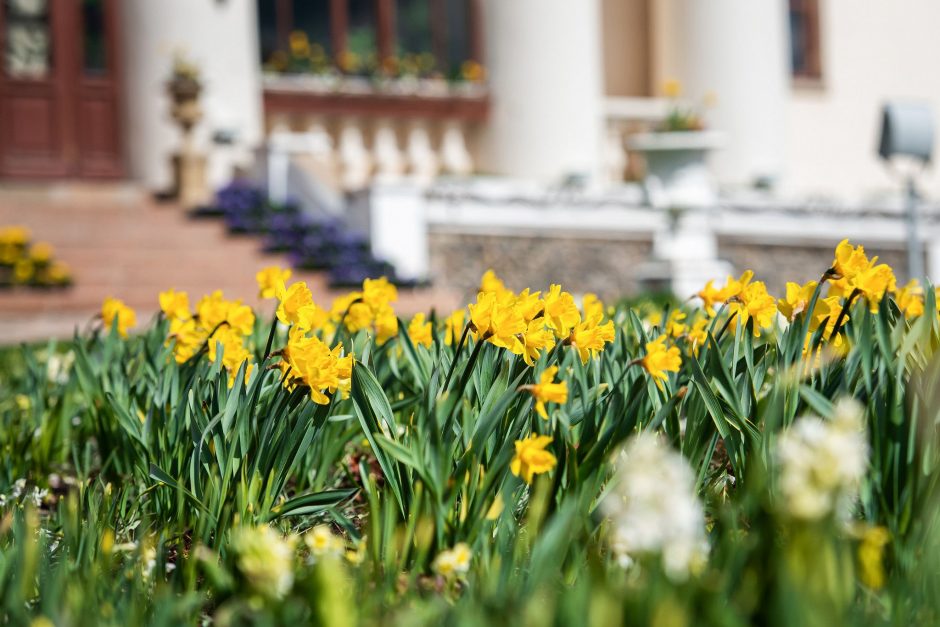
389 159
423 161
455 157
355 161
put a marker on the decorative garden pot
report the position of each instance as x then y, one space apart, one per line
189 166
677 174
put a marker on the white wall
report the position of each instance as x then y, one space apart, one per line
872 51
222 38
544 65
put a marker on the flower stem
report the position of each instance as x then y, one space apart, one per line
453 364
267 348
842 314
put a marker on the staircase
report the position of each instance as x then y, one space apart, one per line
119 242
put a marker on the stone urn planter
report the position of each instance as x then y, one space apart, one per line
677 174
678 181
189 167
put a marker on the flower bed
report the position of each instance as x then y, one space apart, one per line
533 458
27 264
311 243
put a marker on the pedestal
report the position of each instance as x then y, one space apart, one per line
189 176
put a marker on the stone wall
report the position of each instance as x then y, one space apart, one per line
775 264
582 263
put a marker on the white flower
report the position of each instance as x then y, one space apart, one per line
321 541
58 367
654 508
455 561
821 462
266 559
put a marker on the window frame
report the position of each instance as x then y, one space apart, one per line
386 32
812 73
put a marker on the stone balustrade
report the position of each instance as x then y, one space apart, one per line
353 137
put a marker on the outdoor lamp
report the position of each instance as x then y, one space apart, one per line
907 131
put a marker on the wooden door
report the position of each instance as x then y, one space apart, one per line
59 107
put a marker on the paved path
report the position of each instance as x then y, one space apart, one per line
119 242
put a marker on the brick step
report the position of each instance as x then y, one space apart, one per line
120 243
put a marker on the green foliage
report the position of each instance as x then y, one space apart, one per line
127 478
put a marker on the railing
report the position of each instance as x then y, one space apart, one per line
350 131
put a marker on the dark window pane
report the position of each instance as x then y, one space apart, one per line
797 42
414 26
361 48
313 18
458 34
94 41
267 28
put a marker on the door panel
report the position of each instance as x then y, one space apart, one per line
59 107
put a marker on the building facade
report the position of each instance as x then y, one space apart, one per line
354 94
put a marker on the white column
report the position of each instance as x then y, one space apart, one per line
738 51
222 39
543 61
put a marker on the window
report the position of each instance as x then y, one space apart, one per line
805 57
393 37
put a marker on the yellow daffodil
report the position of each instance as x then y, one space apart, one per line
672 88
269 279
489 282
710 296
675 326
536 338
591 305
874 283
547 391
797 299
910 299
529 304
453 327
531 457
498 323
310 361
212 309
378 292
561 312
23 271
753 302
369 309
698 333
589 337
659 360
188 336
175 305
855 272
292 300
40 252
113 310
234 353
871 557
419 331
